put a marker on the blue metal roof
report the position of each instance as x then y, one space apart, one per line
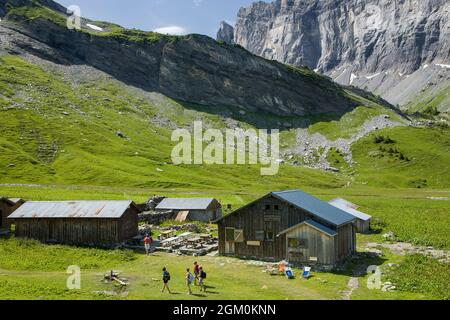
185 204
318 208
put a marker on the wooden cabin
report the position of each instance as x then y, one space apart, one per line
191 209
8 206
288 225
362 219
77 222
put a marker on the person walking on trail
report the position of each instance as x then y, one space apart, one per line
166 279
189 279
147 244
196 272
202 277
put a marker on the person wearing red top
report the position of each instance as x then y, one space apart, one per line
196 272
147 244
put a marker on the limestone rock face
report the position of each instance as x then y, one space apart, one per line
356 42
225 33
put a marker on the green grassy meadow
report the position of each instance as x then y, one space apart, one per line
58 142
40 273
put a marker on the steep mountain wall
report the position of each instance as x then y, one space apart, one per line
374 44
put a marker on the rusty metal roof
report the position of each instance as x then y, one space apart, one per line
72 209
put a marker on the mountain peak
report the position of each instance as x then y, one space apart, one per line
225 33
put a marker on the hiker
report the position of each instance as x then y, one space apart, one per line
196 272
147 244
189 279
166 279
202 277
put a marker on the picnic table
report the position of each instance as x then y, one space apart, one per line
167 234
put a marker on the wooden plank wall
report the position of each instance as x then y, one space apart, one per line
69 231
345 241
256 218
128 224
4 212
316 244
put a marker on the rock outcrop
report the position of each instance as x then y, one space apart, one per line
191 68
374 44
225 33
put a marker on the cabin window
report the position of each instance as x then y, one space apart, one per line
270 236
259 235
302 243
229 234
293 243
276 207
267 206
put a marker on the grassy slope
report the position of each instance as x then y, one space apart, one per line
31 271
350 123
426 152
431 99
44 145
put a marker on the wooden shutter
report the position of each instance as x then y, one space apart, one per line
238 235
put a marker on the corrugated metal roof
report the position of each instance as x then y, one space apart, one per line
315 225
350 208
343 203
184 204
71 209
317 207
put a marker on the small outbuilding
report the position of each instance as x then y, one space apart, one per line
191 209
289 225
77 222
362 219
8 206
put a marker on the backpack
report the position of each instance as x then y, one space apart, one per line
191 278
166 276
203 275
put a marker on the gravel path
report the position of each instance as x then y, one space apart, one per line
352 285
403 248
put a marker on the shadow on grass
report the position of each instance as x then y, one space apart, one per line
357 265
261 120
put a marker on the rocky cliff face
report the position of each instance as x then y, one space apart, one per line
193 68
225 33
375 44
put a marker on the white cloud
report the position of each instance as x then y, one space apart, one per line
174 30
198 2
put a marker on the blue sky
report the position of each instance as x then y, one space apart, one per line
179 16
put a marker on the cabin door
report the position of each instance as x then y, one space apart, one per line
229 241
229 247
